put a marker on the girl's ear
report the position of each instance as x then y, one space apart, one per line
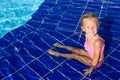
82 28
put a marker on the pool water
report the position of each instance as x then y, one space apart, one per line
14 13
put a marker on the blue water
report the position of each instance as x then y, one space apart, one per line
14 13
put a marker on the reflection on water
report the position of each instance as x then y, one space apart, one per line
14 13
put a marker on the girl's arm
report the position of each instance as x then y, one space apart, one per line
97 51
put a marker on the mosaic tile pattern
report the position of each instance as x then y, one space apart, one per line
23 51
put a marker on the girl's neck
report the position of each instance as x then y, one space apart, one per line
91 37
90 40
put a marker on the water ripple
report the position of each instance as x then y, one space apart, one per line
15 13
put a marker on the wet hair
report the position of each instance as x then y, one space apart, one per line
88 15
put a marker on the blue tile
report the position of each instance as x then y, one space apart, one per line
23 51
38 68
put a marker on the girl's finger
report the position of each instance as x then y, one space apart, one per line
89 74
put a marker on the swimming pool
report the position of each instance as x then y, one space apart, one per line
15 13
23 51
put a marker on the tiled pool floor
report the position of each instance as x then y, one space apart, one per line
24 50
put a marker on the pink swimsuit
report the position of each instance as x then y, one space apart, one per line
90 49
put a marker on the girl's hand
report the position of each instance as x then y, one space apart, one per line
88 72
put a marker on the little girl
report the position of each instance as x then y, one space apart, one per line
93 52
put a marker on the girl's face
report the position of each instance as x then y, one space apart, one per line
90 26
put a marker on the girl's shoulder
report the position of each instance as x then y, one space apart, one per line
99 41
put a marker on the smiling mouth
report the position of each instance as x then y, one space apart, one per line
91 33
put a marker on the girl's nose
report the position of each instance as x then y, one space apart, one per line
91 28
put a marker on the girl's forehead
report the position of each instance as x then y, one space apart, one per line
90 20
